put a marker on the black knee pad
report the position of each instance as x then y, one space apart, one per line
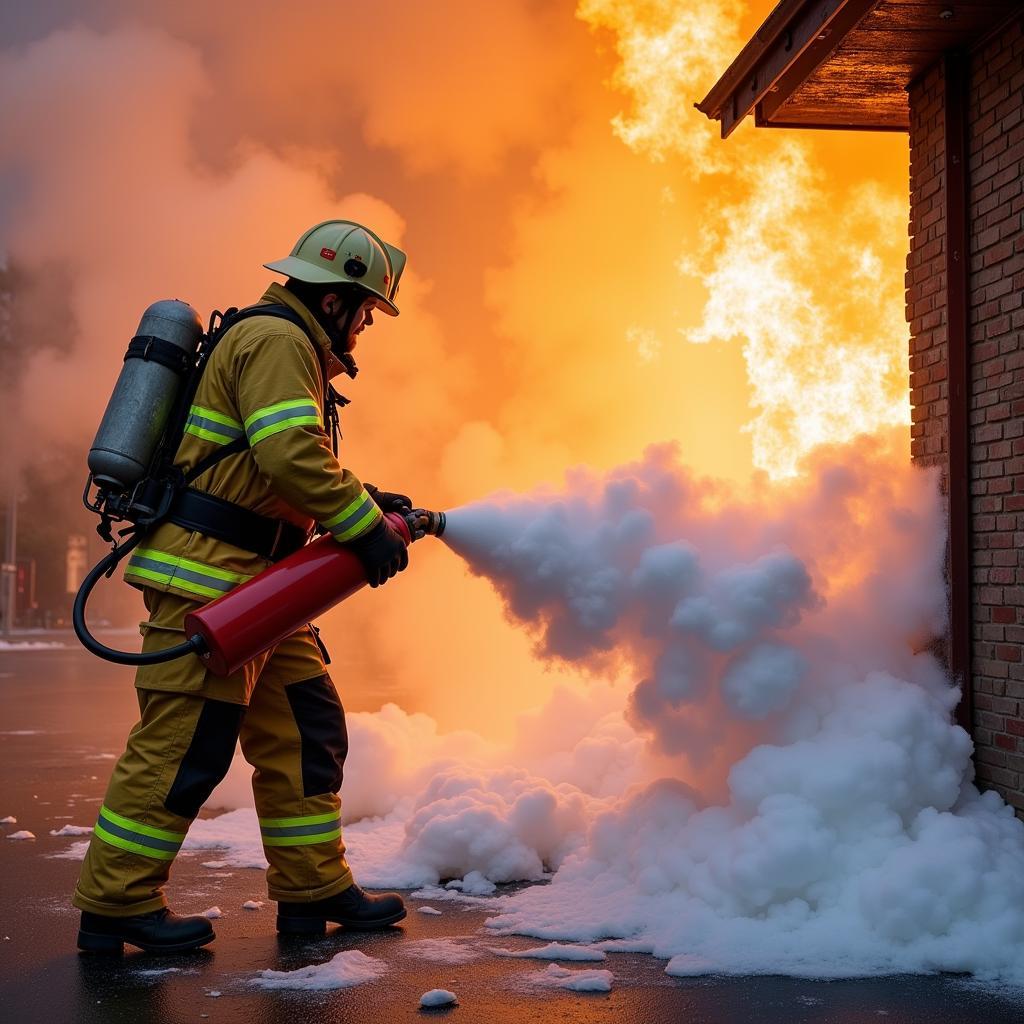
321 722
208 757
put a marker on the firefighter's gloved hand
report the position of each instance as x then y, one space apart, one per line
389 501
382 552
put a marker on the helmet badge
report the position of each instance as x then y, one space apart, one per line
327 254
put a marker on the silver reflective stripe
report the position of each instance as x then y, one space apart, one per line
355 519
178 572
302 830
213 427
137 837
272 419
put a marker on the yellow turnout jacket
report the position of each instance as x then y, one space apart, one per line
263 381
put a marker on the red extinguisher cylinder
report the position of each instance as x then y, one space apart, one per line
259 614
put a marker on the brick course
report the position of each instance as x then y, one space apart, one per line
996 298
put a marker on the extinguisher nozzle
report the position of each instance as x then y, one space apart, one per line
422 523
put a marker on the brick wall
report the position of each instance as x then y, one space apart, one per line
926 274
996 287
996 216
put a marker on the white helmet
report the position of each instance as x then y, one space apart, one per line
343 252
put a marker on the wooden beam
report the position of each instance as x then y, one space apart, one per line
814 20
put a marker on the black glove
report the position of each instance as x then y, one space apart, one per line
389 501
382 552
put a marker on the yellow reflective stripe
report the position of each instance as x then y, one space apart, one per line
175 581
267 410
347 510
146 830
360 527
276 428
301 840
311 819
355 519
217 417
182 573
125 844
187 563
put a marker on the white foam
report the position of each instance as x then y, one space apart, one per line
438 997
554 976
553 951
23 834
442 950
345 969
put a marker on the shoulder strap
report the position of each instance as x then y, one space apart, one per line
331 397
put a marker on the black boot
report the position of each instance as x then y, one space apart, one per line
352 908
159 931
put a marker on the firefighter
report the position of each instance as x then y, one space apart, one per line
264 392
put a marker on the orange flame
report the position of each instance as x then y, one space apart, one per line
806 277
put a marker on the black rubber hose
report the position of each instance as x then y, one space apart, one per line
107 565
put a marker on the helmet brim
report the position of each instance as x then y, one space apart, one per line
290 266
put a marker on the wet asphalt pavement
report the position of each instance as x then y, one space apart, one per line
63 716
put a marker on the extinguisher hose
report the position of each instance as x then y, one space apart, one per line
106 567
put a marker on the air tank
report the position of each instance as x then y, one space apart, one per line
155 365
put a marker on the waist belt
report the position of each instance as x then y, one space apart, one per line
273 539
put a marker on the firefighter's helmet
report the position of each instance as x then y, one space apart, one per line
343 252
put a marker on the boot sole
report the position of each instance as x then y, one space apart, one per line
111 945
318 925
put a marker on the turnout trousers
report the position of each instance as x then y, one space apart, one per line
284 710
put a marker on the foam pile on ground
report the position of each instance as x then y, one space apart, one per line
343 970
71 830
438 997
22 834
30 645
554 976
477 826
821 819
443 950
553 951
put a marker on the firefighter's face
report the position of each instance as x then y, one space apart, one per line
335 307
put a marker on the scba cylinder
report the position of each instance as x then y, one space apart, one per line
158 359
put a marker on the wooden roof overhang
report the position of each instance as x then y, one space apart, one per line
843 63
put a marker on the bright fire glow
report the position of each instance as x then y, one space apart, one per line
809 282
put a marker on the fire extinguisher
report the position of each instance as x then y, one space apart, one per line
232 630
252 618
